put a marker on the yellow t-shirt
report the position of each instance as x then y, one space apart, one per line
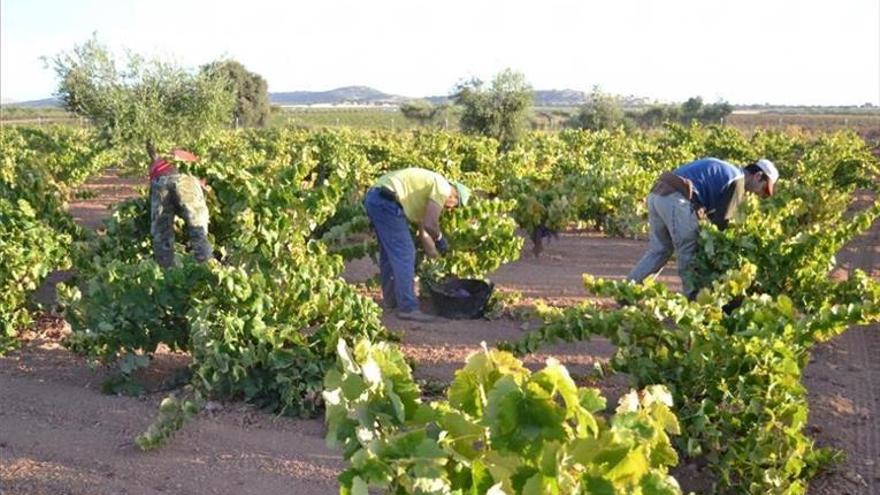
414 187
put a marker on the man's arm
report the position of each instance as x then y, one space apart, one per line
151 151
429 229
730 201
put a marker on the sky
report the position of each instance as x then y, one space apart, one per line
812 52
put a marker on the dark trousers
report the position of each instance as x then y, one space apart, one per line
397 253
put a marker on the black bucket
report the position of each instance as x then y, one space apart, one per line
460 298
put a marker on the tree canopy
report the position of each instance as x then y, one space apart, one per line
694 110
602 111
139 101
499 111
421 111
250 89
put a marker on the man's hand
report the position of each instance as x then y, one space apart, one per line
441 245
431 221
428 244
151 151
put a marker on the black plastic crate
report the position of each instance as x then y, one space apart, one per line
460 298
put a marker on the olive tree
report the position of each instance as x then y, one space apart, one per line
694 110
602 111
716 112
420 111
658 114
250 90
690 109
139 102
499 111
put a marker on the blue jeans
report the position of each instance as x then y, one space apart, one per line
673 227
397 253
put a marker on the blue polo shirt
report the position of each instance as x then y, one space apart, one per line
712 179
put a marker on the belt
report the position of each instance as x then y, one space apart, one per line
669 183
387 194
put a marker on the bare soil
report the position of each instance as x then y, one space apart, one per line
60 435
843 384
106 190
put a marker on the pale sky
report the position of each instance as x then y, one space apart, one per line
819 52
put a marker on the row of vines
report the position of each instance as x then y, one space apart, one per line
272 322
39 171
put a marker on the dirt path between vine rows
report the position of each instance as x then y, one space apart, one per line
843 381
60 435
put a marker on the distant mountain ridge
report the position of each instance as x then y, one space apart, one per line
45 102
559 97
364 95
359 95
542 98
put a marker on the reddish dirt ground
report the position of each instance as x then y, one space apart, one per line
60 435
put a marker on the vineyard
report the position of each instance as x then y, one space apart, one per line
278 322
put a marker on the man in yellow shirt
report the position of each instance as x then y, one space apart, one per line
409 195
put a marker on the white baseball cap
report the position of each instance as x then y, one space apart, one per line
770 171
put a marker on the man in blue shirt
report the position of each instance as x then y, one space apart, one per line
707 188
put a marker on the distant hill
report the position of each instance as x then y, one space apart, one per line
559 98
542 98
360 95
45 102
364 95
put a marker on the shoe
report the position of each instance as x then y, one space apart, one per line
416 315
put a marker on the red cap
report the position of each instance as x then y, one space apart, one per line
187 156
159 168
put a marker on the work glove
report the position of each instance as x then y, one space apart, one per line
441 245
